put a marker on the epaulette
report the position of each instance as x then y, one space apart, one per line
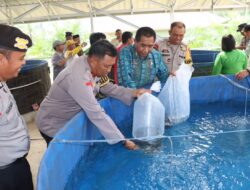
103 81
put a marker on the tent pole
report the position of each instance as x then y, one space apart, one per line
91 16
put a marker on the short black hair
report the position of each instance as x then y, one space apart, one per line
126 36
67 34
177 24
247 28
94 37
118 30
145 31
102 48
76 36
228 43
6 52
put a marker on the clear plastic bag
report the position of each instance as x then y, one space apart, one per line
175 96
149 117
156 86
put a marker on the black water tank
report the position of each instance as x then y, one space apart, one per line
31 85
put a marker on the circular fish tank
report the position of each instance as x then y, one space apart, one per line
31 85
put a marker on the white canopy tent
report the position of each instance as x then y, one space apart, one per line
26 11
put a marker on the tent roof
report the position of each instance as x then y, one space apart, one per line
24 11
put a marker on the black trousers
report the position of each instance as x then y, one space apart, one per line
17 176
46 138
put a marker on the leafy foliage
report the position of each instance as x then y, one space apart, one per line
208 37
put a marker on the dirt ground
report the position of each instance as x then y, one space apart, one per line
37 146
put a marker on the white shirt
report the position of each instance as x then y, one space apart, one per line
14 139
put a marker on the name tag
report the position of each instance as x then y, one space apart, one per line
165 54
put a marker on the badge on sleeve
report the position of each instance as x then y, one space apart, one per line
89 83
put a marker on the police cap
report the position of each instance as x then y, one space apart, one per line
12 38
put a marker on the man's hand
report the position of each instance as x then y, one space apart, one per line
173 73
241 75
130 145
140 91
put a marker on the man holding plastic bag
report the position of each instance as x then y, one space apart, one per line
174 52
139 64
74 90
175 96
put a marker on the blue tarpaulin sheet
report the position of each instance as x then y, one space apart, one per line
61 156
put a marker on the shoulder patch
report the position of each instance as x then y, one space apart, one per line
89 84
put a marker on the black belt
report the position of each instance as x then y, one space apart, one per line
17 161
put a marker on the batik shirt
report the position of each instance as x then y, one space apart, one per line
137 72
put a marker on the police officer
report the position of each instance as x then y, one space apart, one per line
174 51
15 171
74 90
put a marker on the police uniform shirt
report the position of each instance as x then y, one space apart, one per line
173 55
244 42
70 60
74 90
14 139
247 50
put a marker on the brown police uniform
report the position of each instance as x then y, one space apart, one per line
174 55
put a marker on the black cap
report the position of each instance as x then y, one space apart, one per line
12 38
76 36
68 34
241 26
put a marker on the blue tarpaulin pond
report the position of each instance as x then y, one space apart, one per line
68 153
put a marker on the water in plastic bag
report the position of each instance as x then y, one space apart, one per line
149 117
175 96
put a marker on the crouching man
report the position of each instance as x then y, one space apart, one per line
74 90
